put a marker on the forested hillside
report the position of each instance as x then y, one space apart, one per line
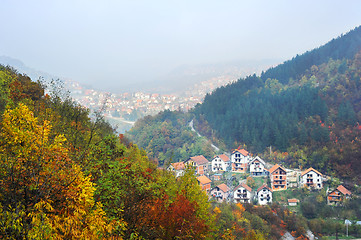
167 137
65 175
309 109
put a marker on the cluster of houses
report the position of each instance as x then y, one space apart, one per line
240 161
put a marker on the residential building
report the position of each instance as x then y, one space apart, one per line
178 168
311 178
221 163
257 167
239 160
221 192
242 194
292 202
264 195
278 178
338 196
293 177
205 183
200 163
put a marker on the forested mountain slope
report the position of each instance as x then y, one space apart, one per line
311 106
345 46
65 176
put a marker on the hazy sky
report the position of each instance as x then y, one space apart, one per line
107 43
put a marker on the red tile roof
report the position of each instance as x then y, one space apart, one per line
343 190
264 186
309 170
293 200
203 180
178 166
224 157
200 160
223 187
241 151
275 167
245 186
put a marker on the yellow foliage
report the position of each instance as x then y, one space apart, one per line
63 205
216 210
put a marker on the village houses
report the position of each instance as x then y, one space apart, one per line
240 159
178 168
257 167
242 194
221 192
338 196
220 163
204 183
264 195
278 178
311 178
200 163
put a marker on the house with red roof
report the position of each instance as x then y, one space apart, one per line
204 183
338 196
292 202
242 194
220 163
239 160
178 168
278 176
264 195
221 192
200 163
311 178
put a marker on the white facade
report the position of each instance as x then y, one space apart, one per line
177 168
264 195
311 178
220 193
242 194
240 160
220 163
256 167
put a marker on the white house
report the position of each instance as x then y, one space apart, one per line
239 160
220 163
311 178
177 168
221 192
257 167
242 194
264 195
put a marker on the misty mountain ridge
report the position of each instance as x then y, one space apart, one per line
180 81
183 78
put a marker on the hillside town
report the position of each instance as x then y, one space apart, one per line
211 179
131 106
